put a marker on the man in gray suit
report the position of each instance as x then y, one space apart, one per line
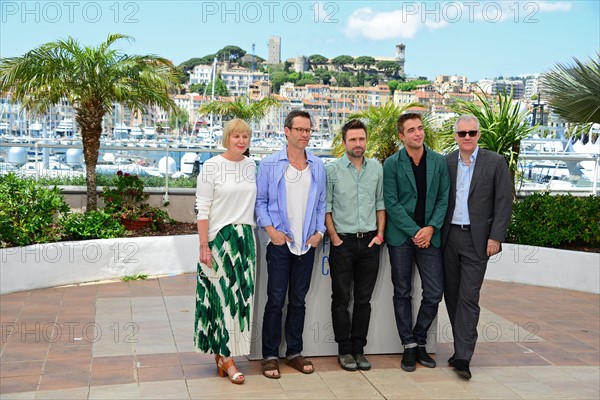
479 211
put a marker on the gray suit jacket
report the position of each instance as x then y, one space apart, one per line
490 199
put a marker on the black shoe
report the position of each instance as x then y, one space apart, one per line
409 359
451 360
423 358
347 362
462 368
362 362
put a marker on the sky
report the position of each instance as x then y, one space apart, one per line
477 39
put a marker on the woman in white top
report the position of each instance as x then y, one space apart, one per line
225 196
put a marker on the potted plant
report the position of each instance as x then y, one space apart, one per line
127 201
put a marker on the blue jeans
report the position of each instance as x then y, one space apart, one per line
287 274
429 263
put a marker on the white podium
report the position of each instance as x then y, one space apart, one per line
318 329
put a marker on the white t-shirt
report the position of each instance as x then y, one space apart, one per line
297 186
226 192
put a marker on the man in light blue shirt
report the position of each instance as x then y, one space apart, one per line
290 207
355 221
479 211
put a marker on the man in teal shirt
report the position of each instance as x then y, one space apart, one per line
415 190
355 221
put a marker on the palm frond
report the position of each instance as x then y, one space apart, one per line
574 90
381 122
241 107
502 126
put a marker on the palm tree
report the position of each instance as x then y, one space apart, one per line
382 128
178 119
502 126
574 91
92 79
240 107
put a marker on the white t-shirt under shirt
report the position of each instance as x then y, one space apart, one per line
226 193
297 186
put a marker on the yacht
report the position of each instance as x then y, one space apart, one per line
4 128
136 133
120 132
149 133
65 128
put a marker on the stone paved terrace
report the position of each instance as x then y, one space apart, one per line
535 343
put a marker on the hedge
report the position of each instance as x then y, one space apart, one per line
556 221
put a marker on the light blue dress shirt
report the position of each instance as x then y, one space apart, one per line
354 198
464 174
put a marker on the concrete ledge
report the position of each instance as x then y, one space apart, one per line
548 267
63 263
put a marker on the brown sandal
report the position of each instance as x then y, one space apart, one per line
271 365
223 366
298 363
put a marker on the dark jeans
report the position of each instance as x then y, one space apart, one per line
285 271
352 262
430 266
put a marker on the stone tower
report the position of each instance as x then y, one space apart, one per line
274 50
400 56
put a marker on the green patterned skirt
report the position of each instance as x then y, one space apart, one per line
225 294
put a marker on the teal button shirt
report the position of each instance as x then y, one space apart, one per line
353 198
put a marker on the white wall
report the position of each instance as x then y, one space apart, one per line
543 266
63 263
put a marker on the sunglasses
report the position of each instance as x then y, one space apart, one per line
462 134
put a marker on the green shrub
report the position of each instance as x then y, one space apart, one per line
95 224
128 200
555 221
29 212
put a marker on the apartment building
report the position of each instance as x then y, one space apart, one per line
238 80
504 86
201 74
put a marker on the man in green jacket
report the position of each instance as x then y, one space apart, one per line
415 192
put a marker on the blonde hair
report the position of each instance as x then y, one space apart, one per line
235 125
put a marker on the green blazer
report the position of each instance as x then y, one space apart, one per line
400 196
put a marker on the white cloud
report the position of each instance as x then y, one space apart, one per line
414 16
545 6
364 22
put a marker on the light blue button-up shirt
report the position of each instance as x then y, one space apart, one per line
353 198
464 174
271 195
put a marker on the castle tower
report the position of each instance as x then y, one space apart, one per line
400 56
274 50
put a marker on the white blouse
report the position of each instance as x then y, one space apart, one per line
226 193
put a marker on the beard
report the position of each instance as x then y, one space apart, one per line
356 152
